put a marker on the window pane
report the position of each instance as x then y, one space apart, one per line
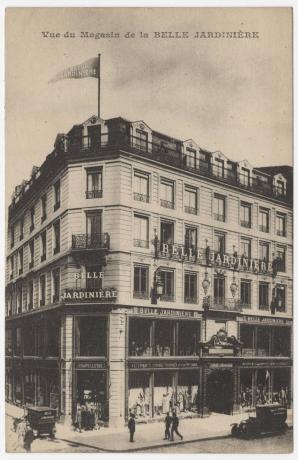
92 336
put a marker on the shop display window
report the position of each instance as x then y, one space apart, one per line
29 340
281 341
91 336
246 337
164 338
139 394
246 390
163 394
92 401
263 338
29 388
187 394
188 337
53 338
17 345
8 342
18 389
139 337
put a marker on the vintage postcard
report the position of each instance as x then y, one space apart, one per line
149 224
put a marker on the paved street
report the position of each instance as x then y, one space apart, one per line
268 445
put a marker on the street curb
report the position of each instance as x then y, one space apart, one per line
156 446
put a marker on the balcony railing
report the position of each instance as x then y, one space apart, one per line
245 223
190 210
222 303
140 295
219 217
141 197
264 228
167 297
96 241
167 204
141 243
191 299
93 194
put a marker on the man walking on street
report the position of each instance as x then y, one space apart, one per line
131 427
168 422
28 438
175 423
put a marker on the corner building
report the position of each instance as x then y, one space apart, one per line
146 273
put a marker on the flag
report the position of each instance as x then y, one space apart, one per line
89 68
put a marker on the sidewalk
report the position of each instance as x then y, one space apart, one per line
149 435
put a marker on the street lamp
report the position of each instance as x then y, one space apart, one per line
158 287
206 299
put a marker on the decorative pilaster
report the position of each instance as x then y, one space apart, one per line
67 368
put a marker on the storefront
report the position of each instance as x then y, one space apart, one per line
165 383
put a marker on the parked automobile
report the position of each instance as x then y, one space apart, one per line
42 420
270 419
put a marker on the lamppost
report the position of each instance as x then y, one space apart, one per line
206 300
234 289
157 288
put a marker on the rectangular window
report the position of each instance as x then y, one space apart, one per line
167 280
56 227
93 282
11 267
92 336
93 227
56 285
191 158
280 298
167 232
17 341
19 299
140 287
32 218
280 224
263 296
190 288
31 254
140 337
43 208
190 200
190 238
21 261
188 340
281 259
219 170
43 240
30 294
245 177
219 290
21 228
245 248
219 208
245 215
264 252
141 231
12 234
245 293
264 220
219 243
57 195
141 187
42 290
141 140
94 183
167 193
280 188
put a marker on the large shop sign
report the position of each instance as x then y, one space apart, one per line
165 312
264 320
164 365
213 258
83 295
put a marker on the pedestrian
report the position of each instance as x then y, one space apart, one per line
28 438
175 423
168 422
131 427
78 422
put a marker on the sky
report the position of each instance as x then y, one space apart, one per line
232 95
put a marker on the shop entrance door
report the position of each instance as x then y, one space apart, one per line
220 391
92 397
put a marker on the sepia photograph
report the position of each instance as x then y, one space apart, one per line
149 230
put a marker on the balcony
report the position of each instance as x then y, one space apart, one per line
93 194
225 304
167 298
190 210
91 242
191 300
141 295
141 197
141 243
167 204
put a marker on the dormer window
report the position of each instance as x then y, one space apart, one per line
219 170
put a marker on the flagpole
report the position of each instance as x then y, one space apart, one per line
98 86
